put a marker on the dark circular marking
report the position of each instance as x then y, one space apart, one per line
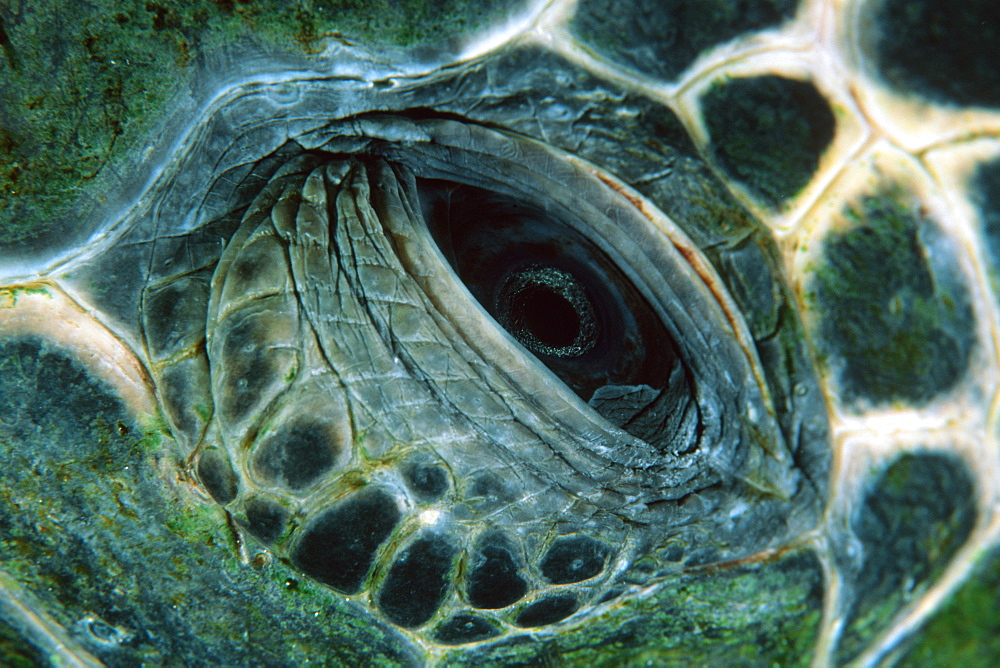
573 559
464 628
427 482
417 581
339 546
217 475
265 519
547 611
296 456
494 581
549 316
768 133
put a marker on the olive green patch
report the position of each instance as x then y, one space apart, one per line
406 22
947 52
131 562
661 38
83 83
966 631
915 516
83 78
768 133
894 309
713 616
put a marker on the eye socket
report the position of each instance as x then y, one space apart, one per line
592 281
558 294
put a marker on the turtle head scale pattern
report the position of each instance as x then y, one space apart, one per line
384 418
494 332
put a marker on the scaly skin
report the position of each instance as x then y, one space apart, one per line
180 299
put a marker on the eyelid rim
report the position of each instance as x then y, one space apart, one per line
431 148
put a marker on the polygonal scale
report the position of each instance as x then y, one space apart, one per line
925 72
970 175
886 290
915 515
661 39
778 126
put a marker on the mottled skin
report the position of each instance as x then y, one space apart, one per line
251 410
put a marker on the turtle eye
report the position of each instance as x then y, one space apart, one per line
554 290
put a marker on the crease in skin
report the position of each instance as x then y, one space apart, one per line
758 474
332 289
374 395
482 146
363 234
767 468
442 146
396 204
498 390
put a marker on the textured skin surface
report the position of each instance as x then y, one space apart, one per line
251 410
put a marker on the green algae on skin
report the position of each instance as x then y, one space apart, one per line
135 565
895 327
9 295
966 631
913 519
17 651
82 85
710 616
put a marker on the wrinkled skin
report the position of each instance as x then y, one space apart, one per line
274 391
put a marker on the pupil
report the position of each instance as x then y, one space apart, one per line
552 289
548 311
547 315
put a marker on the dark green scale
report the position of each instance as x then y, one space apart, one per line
661 38
768 133
895 315
914 517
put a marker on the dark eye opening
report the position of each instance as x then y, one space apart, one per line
560 295
548 311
